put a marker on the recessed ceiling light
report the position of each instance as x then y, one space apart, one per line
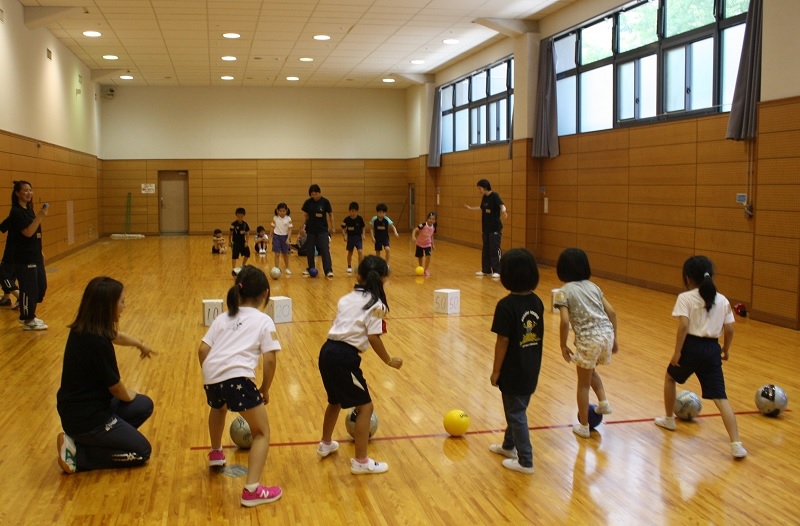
450 41
226 77
388 81
92 34
231 35
110 57
306 59
321 37
293 79
417 61
228 58
126 77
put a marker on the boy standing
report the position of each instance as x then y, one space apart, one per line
238 240
380 230
353 232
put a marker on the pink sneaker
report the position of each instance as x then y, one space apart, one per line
216 458
262 495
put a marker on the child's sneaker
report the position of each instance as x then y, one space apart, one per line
498 449
5 303
305 272
427 273
287 272
349 271
581 430
514 465
667 422
369 467
66 453
262 495
323 449
738 450
216 457
34 325
603 408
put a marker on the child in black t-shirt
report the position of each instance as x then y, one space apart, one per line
353 232
238 241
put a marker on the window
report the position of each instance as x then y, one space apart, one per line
620 69
476 109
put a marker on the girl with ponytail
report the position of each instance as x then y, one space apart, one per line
229 354
703 316
358 325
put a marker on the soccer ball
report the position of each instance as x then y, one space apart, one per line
771 400
350 423
240 433
275 273
687 405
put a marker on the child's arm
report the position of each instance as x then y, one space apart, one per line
395 230
202 352
727 339
500 348
683 330
377 345
612 317
230 238
268 368
414 234
563 332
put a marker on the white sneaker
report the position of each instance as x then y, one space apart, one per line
370 467
514 465
305 272
496 275
603 408
34 325
330 274
738 450
581 430
349 270
287 272
67 452
482 273
323 449
667 422
498 449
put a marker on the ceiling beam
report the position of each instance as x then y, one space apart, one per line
509 27
36 17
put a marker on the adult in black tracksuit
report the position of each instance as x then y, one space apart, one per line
492 209
25 237
318 211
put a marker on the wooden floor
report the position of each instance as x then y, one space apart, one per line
630 472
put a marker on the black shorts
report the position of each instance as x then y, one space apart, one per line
422 251
239 394
238 250
380 244
354 242
340 368
703 357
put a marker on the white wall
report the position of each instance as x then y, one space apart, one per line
248 123
38 97
780 64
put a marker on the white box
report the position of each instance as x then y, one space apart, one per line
211 309
279 309
447 301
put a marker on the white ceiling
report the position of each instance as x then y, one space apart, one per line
180 43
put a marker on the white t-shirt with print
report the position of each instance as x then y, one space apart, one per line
353 324
702 323
281 225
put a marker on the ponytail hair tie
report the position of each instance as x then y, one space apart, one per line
706 275
240 286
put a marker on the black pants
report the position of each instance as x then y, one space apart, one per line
322 242
490 257
32 285
117 443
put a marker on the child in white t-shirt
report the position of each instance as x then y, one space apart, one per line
281 236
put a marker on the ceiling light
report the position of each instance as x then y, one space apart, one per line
293 79
321 37
126 77
417 61
92 34
228 58
231 35
306 59
450 41
388 81
110 57
226 77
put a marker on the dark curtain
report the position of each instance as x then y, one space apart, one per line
435 144
742 123
545 140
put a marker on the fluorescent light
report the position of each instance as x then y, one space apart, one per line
110 57
228 58
306 59
231 35
417 61
226 77
293 79
126 77
450 41
388 81
92 34
321 37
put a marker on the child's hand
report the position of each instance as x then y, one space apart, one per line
494 377
264 394
395 362
396 234
566 352
676 358
725 354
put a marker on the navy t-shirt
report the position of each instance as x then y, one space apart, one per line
317 215
520 318
353 227
490 213
239 230
24 249
90 368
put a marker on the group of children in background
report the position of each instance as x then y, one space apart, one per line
353 229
